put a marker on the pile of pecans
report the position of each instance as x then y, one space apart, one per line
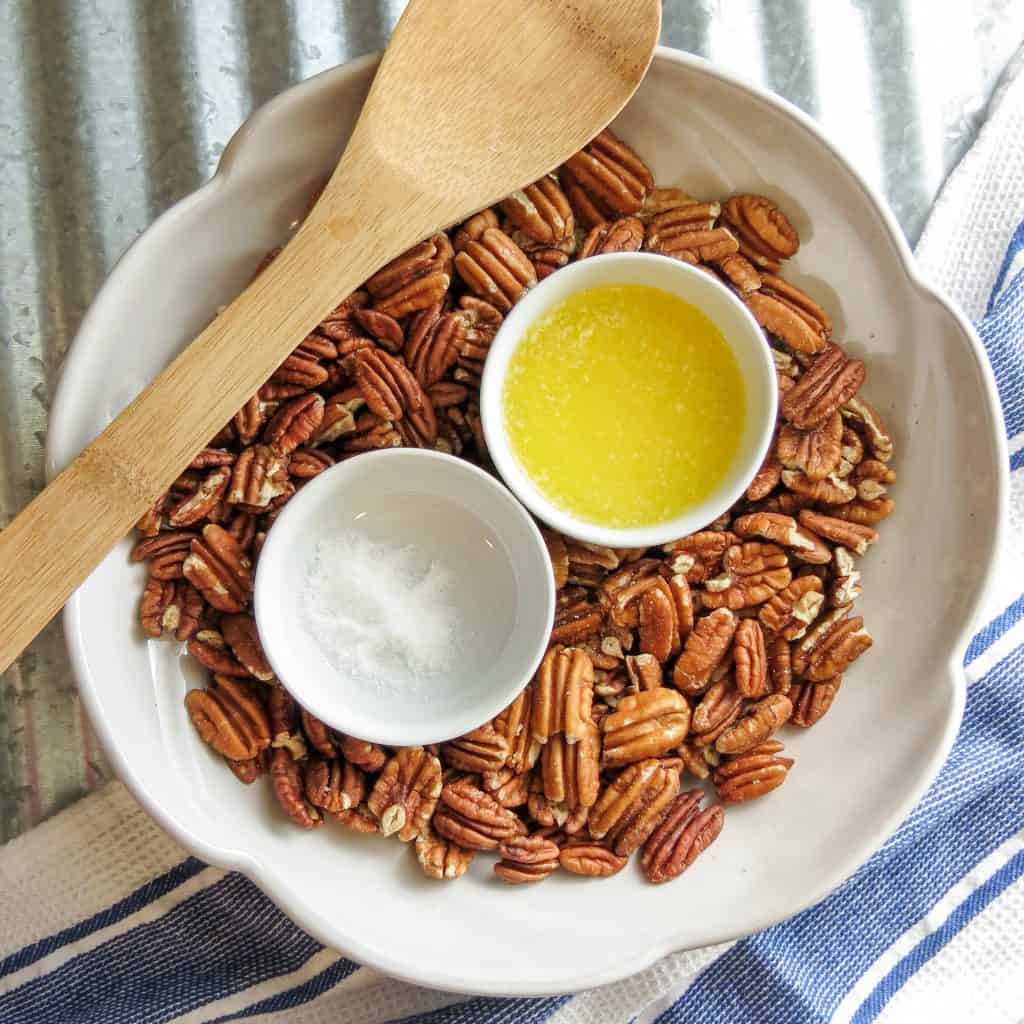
664 664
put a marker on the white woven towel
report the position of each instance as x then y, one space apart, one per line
105 919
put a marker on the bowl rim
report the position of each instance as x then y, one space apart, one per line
513 330
61 446
489 702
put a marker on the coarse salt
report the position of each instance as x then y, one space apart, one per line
380 613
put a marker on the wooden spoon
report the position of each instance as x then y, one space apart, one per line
473 99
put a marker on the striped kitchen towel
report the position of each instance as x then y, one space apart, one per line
105 919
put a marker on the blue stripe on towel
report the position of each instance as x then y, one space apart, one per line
986 637
939 939
800 970
488 1010
1015 245
142 897
224 939
1002 331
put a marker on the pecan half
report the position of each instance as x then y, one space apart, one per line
606 177
845 586
780 665
633 804
201 502
864 512
319 737
705 648
644 672
547 260
495 268
816 452
767 478
406 792
472 818
753 574
440 858
719 707
755 726
625 235
334 786
644 725
382 326
306 463
207 646
415 280
559 555
750 660
540 211
563 691
853 536
752 774
339 417
828 383
526 859
699 556
219 569
482 750
865 416
684 834
433 344
739 272
686 235
259 476
508 788
811 701
239 631
571 771
284 723
783 529
301 371
764 229
171 606
872 478
830 491
659 633
366 755
286 779
778 318
229 718
590 858
294 423
514 723
831 646
789 612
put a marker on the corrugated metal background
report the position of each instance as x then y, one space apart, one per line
110 110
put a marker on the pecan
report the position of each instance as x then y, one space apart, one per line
633 804
247 771
764 229
830 491
605 178
482 750
207 646
684 834
554 813
767 478
753 573
171 606
739 272
243 528
359 819
864 512
284 723
289 789
698 760
789 612
259 476
294 423
433 344
239 631
495 268
590 858
371 433
831 646
589 563
472 818
783 529
306 463
415 280
718 708
624 235
559 555
687 235
547 260
570 772
406 793
540 211
851 452
781 320
563 691
210 457
333 785
508 788
811 701
865 416
872 478
219 569
576 619
704 649
752 774
816 452
153 518
472 229
440 858
755 726
699 556
799 301
199 504
383 327
644 672
845 586
300 372
319 737
339 416
750 660
526 859
658 200
644 725
366 755
229 718
829 382
659 621
315 347
780 664
514 724
854 536
165 552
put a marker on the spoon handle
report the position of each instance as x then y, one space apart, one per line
64 533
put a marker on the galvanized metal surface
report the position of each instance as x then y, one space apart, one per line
110 110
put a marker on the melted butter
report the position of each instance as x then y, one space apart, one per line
625 405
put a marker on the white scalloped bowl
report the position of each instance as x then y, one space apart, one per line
857 774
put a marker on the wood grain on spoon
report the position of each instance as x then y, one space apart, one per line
473 99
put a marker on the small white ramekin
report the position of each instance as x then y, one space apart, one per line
698 288
501 592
